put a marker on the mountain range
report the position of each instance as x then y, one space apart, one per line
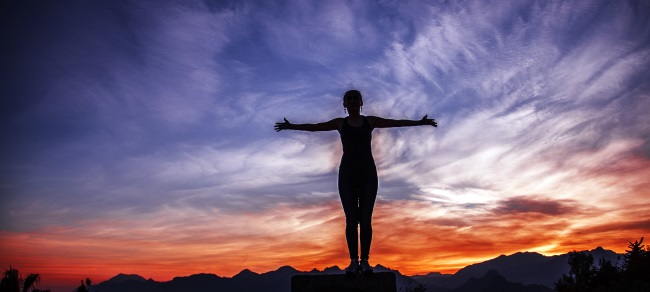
523 271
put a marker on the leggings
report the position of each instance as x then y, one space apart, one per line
358 191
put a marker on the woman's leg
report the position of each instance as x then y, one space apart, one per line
350 201
367 196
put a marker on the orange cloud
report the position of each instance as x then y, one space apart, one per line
411 236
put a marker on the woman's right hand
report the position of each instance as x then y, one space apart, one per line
282 126
427 121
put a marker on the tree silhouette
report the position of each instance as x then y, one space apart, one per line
84 287
637 263
12 282
580 275
633 275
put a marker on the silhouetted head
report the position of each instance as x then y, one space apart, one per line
352 99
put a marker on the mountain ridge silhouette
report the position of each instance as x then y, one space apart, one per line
522 270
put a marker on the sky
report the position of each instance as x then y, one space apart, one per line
138 135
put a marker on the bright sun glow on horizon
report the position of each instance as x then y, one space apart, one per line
140 135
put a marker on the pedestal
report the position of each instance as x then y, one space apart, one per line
374 282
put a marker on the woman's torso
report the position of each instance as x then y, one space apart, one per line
357 149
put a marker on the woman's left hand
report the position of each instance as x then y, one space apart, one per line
426 121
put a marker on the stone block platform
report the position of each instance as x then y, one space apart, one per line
374 282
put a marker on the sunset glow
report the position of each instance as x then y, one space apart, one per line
139 137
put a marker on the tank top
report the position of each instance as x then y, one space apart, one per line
357 149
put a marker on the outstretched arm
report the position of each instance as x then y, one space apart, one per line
379 122
330 125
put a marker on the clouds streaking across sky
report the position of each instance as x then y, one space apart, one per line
139 136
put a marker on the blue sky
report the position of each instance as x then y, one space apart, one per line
153 120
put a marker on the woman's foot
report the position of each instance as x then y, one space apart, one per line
364 266
353 268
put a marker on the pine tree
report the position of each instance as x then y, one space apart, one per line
633 275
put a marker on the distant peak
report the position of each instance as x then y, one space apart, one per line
380 266
119 278
331 269
286 269
246 272
491 274
526 253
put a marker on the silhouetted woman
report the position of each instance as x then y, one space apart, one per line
357 173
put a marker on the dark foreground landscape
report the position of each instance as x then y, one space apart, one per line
517 272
